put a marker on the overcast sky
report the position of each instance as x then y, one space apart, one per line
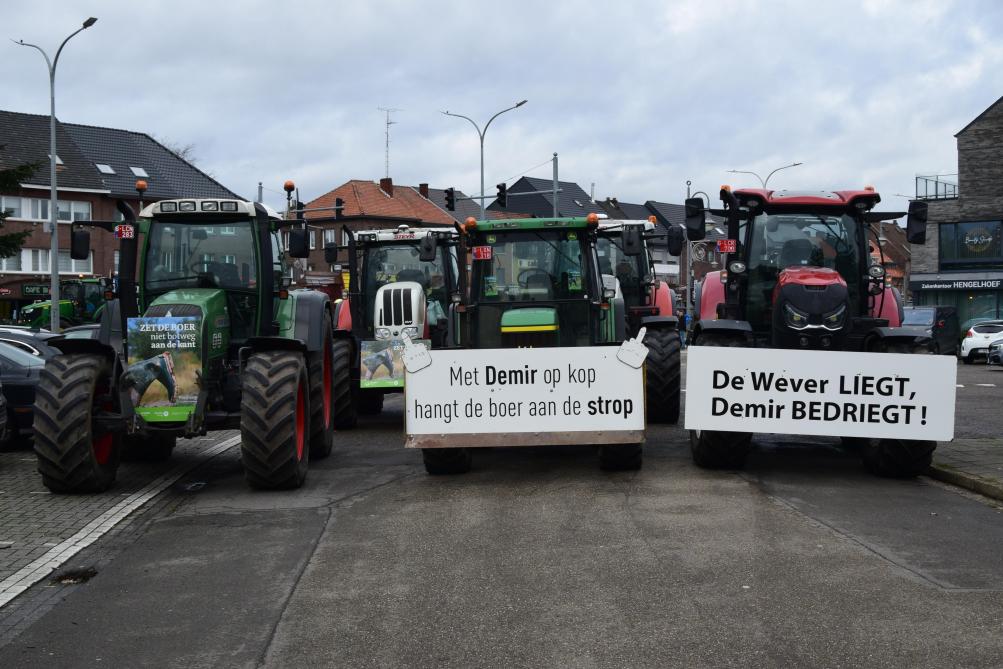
636 97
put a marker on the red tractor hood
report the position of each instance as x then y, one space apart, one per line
808 276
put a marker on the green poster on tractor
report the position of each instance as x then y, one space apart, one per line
163 365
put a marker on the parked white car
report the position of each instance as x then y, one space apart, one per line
977 340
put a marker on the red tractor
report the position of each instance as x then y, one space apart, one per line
798 275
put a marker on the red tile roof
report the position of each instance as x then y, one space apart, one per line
367 199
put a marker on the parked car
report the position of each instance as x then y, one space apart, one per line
938 323
89 331
19 372
995 356
29 342
978 338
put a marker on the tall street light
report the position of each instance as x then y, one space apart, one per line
53 199
767 179
481 133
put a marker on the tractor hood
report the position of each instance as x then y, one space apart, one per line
188 302
810 308
539 319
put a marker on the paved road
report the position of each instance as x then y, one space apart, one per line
537 558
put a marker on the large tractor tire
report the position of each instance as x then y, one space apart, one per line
898 458
153 447
621 457
720 450
446 461
321 372
370 403
662 374
72 456
275 420
346 413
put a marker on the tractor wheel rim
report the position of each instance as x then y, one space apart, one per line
102 447
327 386
300 421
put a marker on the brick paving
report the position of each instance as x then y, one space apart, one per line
974 463
32 520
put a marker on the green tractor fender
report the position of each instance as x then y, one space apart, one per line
300 320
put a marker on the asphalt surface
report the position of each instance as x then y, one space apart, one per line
537 558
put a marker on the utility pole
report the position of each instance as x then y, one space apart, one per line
388 123
556 188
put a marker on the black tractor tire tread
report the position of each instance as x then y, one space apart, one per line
720 450
446 461
346 414
321 435
270 385
662 375
64 400
621 457
898 458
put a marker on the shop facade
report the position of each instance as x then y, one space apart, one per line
961 264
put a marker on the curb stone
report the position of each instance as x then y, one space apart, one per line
983 486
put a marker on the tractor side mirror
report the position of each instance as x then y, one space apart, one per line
675 240
298 247
915 227
331 254
80 244
695 229
633 244
427 249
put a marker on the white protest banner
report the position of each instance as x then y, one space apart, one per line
526 390
833 393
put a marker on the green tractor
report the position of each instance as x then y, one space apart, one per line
209 338
82 301
538 283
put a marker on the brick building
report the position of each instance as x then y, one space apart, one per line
95 167
961 264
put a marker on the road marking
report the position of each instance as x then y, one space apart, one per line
986 385
55 557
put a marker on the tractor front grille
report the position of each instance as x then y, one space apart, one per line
542 339
397 307
174 309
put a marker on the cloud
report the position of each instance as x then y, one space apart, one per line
637 97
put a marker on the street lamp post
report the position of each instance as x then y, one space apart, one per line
480 134
53 198
767 179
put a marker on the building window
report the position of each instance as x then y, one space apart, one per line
37 209
139 172
313 240
11 206
12 264
971 245
330 236
116 261
104 169
68 265
228 259
227 230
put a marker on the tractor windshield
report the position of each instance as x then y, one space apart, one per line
631 271
796 239
190 254
390 263
529 266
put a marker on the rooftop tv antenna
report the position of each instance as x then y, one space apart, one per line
388 123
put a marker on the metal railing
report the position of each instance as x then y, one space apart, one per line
937 187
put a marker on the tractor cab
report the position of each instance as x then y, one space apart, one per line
401 279
536 282
203 256
798 270
620 258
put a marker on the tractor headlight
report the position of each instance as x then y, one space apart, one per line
876 271
383 333
411 331
795 318
834 319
